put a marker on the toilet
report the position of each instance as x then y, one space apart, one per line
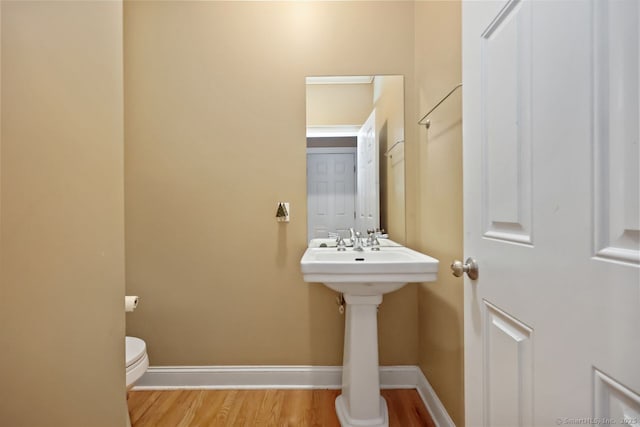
136 362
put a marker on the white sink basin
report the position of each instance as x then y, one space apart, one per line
378 272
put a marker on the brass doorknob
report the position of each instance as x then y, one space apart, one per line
470 267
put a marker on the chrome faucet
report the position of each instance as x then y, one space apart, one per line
356 240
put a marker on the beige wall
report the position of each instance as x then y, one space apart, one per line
215 117
436 172
338 104
62 243
215 137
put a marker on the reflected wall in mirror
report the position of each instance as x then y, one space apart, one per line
355 155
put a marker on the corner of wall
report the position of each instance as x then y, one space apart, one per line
436 199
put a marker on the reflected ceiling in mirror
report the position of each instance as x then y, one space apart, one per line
355 155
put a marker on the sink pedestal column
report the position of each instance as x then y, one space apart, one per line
360 403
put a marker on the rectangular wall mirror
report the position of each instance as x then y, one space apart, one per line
355 155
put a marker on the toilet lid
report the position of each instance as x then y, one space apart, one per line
135 350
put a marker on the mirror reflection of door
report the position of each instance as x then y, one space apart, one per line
363 116
331 191
368 194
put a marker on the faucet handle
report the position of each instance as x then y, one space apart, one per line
373 242
340 244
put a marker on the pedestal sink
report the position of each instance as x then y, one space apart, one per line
363 277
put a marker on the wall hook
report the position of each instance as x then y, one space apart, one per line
283 212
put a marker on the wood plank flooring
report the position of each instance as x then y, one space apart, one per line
293 408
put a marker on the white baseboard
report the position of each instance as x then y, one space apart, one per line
287 377
240 377
437 410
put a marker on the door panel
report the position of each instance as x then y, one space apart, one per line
613 401
506 92
508 352
368 194
617 130
330 193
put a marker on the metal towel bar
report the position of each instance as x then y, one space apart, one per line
428 122
386 153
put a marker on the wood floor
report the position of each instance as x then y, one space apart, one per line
294 408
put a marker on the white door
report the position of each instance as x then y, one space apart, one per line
368 206
551 195
330 193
